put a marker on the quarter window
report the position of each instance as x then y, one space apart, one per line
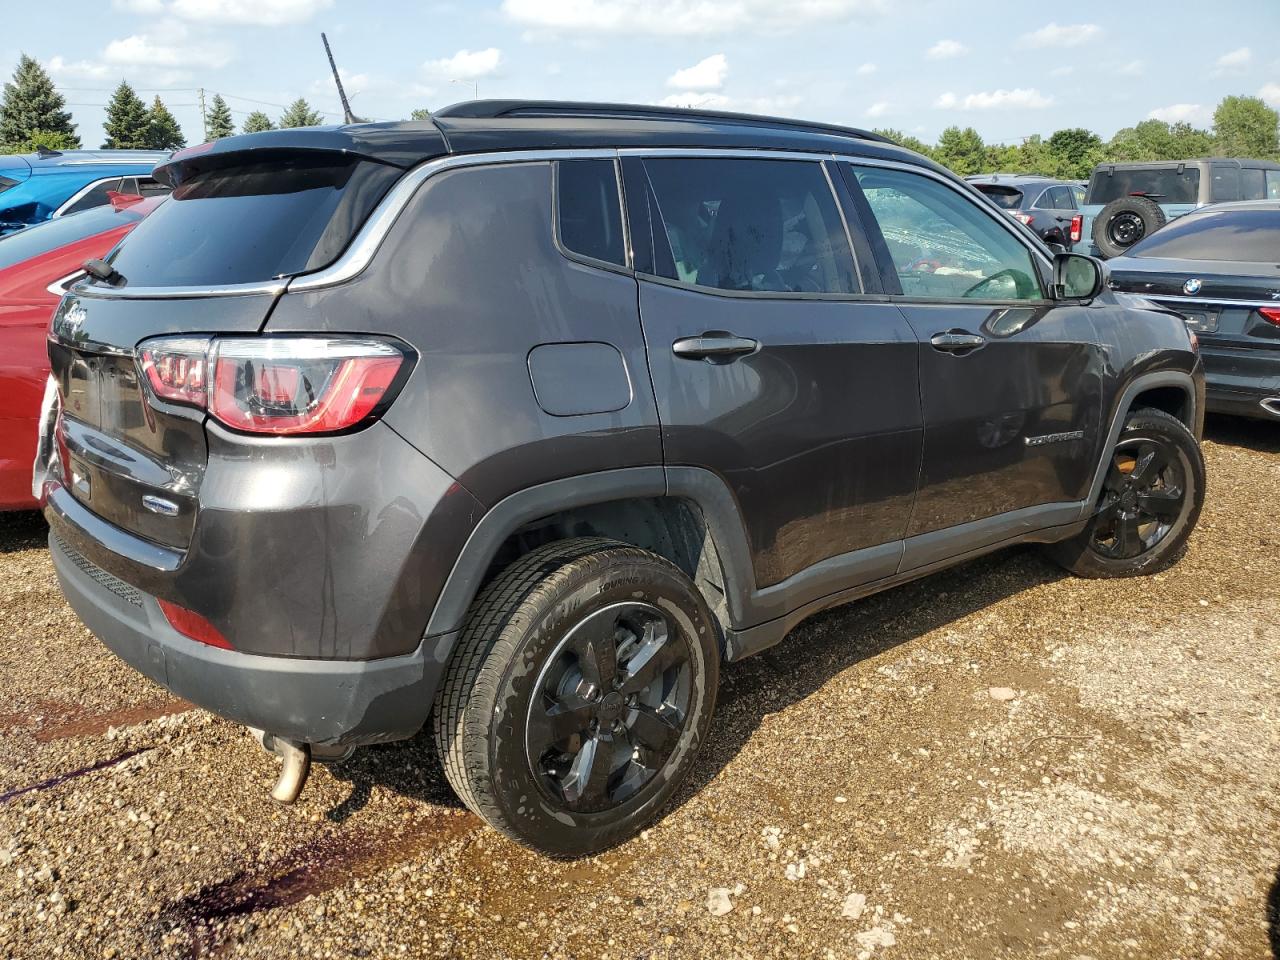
96 197
588 212
943 245
767 226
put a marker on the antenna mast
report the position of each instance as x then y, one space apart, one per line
347 115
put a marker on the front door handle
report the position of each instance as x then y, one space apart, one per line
955 341
714 346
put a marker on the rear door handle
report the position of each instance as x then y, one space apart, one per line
956 341
714 346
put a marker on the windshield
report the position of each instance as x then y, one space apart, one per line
52 234
1240 235
1006 198
255 221
1162 184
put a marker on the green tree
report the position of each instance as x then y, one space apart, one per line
1186 142
422 114
218 122
1246 127
32 107
300 114
1073 153
1157 140
163 132
39 138
127 120
961 150
257 122
905 140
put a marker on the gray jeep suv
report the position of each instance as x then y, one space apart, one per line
521 421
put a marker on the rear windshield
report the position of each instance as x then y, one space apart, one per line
1251 236
1164 185
275 217
1006 198
52 234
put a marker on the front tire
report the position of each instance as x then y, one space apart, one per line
1150 501
582 687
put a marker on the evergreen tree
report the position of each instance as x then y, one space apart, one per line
32 106
961 150
218 122
163 132
256 122
1246 127
900 138
126 123
420 114
300 114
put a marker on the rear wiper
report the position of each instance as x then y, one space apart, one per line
101 270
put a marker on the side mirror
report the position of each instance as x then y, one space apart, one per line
1054 247
1077 277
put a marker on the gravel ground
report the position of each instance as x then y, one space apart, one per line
999 761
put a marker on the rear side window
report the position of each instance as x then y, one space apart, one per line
763 226
1226 183
274 217
1251 236
588 211
96 196
1006 198
52 234
946 246
1164 185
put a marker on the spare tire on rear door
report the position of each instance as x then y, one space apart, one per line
1125 221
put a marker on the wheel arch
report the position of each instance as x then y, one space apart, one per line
1172 391
686 515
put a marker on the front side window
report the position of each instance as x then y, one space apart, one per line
763 226
1273 184
943 245
588 211
96 196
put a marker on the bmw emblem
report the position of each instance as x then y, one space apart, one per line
1192 287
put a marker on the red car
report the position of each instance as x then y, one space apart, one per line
37 265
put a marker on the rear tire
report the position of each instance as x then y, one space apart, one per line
582 687
1150 501
1123 222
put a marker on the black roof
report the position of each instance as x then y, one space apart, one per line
1015 180
496 125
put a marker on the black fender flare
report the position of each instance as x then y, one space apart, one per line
1140 384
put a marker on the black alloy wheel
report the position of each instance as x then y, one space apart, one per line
1143 496
609 707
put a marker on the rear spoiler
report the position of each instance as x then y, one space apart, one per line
390 143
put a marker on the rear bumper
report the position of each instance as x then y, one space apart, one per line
1241 381
333 702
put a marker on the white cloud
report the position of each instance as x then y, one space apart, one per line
866 70
168 50
1235 59
1021 98
1068 35
79 69
778 105
1271 94
946 50
878 109
682 17
704 101
150 7
466 64
706 74
1134 68
263 13
1180 113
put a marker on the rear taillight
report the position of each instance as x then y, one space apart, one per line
1270 314
1023 218
192 625
276 385
1077 227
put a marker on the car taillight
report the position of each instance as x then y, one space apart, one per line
1077 227
275 385
1270 314
1023 218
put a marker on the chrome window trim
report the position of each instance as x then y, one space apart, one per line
1173 298
63 284
87 288
84 191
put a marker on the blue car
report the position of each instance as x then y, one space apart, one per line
39 186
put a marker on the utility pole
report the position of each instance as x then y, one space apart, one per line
204 119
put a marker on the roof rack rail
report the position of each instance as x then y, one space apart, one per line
498 109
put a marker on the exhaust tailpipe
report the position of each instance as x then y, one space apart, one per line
1271 405
295 764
